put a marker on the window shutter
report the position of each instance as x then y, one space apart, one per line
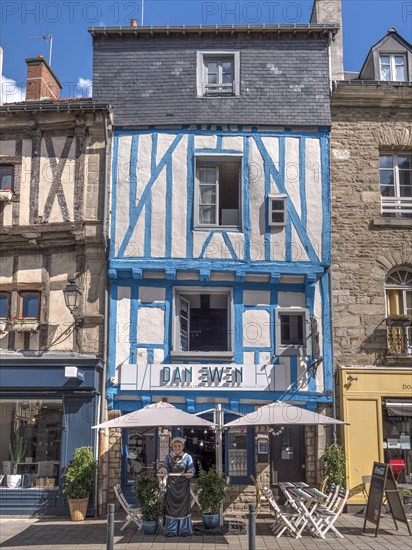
184 315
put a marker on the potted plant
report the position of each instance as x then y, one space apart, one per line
211 493
407 496
79 481
22 324
334 461
6 194
396 320
148 494
17 449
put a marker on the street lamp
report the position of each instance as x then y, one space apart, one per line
72 297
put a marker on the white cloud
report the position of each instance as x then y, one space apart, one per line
11 92
84 87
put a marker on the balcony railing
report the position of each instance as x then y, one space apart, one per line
399 340
397 207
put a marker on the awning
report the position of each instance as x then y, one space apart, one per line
399 407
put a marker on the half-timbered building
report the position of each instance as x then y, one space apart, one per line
220 234
53 193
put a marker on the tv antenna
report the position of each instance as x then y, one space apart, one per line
49 38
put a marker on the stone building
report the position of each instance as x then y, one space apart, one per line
220 236
371 168
54 155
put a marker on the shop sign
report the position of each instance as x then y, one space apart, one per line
200 377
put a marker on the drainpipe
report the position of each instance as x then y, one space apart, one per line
334 429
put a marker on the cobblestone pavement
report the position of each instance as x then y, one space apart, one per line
59 534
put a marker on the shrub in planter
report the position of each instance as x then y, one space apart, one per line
211 493
334 461
79 481
17 450
148 494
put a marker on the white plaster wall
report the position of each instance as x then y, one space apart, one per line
256 328
272 147
205 142
141 356
235 143
152 294
222 277
199 238
30 268
62 265
122 189
135 246
314 193
187 276
158 356
6 270
150 325
256 297
164 141
299 253
291 299
123 325
24 210
217 249
8 147
238 243
62 320
158 240
277 244
282 375
257 203
292 172
179 200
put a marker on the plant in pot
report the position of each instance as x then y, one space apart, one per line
334 461
17 449
79 481
211 493
148 494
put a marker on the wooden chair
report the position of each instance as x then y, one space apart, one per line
131 512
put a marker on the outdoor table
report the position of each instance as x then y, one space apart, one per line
305 499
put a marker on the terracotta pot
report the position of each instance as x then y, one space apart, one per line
78 508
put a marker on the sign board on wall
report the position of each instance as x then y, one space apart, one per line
199 377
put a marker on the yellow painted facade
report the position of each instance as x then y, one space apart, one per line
360 392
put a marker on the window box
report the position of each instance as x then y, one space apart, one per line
398 321
3 326
6 195
22 325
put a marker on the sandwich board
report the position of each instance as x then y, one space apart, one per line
383 482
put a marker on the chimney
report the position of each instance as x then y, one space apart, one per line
133 23
329 12
42 83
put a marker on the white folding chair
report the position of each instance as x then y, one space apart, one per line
286 517
325 518
131 512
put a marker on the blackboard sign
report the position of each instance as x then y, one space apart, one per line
383 483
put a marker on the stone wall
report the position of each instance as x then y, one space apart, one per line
365 246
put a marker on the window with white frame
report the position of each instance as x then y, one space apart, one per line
396 184
218 73
398 289
393 67
292 330
218 191
277 210
202 320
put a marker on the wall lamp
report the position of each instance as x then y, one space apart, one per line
72 298
352 378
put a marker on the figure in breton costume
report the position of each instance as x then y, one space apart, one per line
178 518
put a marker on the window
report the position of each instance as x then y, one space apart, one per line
218 74
4 305
29 305
291 331
6 177
393 67
202 321
277 210
218 191
396 184
398 290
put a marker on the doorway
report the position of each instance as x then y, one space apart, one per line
287 454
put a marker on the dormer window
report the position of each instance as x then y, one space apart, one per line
393 67
218 74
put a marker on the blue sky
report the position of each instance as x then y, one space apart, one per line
364 23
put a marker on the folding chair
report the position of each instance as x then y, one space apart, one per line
286 517
131 512
325 518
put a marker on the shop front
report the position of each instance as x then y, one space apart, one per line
48 405
377 405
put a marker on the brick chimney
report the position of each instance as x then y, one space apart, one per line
42 83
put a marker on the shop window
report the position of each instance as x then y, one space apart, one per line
237 452
397 436
217 193
29 305
292 326
4 305
139 453
202 321
6 177
38 424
